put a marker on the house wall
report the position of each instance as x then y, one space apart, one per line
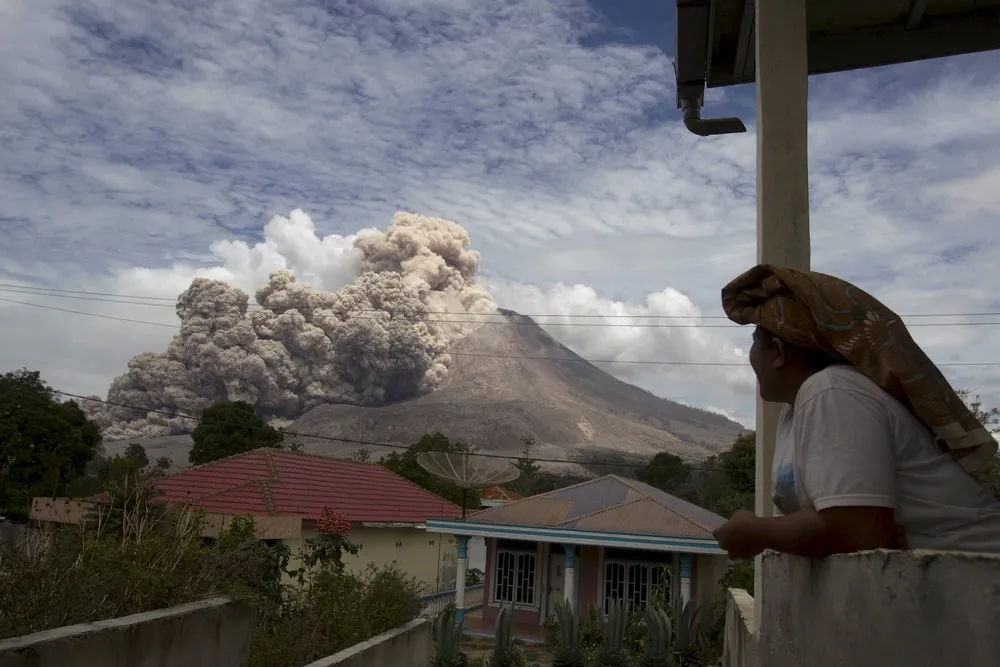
708 570
876 608
588 575
431 558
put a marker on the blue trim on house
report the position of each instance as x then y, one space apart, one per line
686 566
463 546
578 537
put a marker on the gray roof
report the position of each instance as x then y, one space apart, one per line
609 504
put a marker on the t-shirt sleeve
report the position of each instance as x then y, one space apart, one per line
845 450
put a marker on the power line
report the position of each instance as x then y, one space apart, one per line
42 291
438 320
80 312
641 362
350 441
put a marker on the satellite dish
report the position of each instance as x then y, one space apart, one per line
467 471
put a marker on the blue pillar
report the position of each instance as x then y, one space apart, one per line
462 566
686 566
569 573
685 596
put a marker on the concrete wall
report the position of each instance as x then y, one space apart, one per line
878 608
210 633
409 645
431 558
740 645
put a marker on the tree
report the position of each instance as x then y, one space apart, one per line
45 444
666 471
230 428
527 480
990 419
137 453
405 464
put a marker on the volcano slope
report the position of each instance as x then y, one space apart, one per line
571 408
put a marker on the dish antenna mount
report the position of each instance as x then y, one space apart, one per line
468 471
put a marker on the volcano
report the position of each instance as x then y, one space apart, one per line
513 380
508 381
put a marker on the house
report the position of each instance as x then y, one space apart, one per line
605 539
492 496
285 493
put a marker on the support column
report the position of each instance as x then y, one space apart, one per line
569 573
782 184
463 565
686 560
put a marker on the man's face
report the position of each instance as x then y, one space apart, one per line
766 360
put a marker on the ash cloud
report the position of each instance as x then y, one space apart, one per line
368 343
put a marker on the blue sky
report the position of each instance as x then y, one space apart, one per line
135 135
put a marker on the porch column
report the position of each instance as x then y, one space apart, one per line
782 182
569 572
463 564
685 579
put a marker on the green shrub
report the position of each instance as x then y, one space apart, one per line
132 555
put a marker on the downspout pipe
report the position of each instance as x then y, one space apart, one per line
707 127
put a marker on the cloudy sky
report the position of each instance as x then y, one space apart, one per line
144 142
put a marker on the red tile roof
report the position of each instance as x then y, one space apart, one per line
499 493
268 482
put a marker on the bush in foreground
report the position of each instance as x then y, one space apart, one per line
133 556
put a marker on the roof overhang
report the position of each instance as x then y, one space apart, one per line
578 537
715 41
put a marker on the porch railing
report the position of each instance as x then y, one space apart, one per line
433 604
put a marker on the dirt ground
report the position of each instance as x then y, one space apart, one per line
475 647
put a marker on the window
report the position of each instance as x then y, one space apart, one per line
635 582
515 576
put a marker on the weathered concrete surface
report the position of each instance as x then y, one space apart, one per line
208 633
740 648
409 645
879 608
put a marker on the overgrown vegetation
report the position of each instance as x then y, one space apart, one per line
133 555
230 428
45 444
647 638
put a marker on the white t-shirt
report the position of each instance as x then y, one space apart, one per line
846 442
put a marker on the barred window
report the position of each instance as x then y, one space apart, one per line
515 577
636 583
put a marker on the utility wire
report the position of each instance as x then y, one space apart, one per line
43 291
350 441
433 319
581 360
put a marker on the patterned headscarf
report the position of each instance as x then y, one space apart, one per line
825 314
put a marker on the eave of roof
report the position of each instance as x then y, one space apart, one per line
715 38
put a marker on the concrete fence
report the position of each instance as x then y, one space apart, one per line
410 645
433 604
209 633
740 645
871 609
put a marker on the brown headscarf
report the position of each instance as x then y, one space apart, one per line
825 314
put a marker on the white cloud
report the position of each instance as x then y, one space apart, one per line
140 135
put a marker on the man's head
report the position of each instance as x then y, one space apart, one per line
781 367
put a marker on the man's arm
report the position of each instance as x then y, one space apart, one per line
815 534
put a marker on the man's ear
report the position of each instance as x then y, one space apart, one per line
779 356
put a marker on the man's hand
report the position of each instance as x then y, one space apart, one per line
738 536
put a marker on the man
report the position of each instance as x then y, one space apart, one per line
874 449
